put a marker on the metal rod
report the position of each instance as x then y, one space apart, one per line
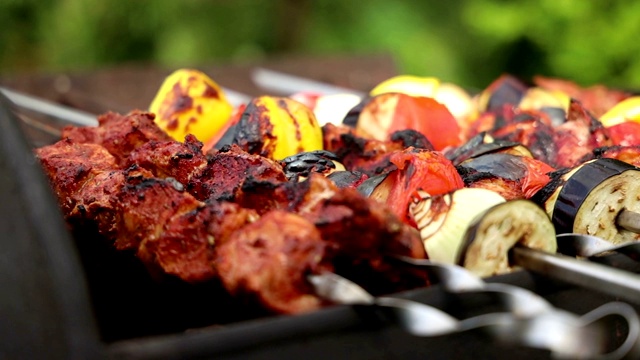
32 103
629 220
288 84
593 276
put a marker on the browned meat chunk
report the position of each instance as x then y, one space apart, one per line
227 171
363 236
69 166
268 260
173 159
146 205
628 154
186 246
119 134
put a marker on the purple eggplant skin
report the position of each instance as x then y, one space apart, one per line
556 180
345 179
411 138
351 119
510 91
577 188
368 186
476 147
506 166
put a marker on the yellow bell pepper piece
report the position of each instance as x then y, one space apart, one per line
626 110
408 85
189 102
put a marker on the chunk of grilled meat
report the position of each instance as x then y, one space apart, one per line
228 169
576 138
164 159
69 166
363 236
268 260
119 134
147 204
564 145
186 246
628 154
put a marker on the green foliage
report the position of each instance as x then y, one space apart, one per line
469 42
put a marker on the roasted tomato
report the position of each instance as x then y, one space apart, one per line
424 170
387 113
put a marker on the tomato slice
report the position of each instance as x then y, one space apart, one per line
625 134
390 112
423 170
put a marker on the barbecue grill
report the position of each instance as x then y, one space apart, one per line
63 298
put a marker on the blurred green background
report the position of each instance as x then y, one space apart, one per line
469 42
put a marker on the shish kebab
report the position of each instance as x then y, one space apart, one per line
622 219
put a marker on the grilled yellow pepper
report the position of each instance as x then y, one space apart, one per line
189 102
277 127
626 110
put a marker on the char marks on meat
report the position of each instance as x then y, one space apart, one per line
119 134
268 261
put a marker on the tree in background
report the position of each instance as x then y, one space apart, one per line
469 42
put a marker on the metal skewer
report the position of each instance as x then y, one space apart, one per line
564 334
629 220
593 276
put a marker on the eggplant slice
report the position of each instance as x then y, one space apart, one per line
490 237
593 197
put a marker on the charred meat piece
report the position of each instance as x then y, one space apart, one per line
69 165
228 169
362 236
628 154
357 153
95 202
533 130
174 159
578 137
146 205
186 246
119 134
268 260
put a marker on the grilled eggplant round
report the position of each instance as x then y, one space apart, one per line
592 197
491 235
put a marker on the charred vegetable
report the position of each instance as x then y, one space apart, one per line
424 170
443 219
380 116
488 240
299 166
275 128
189 102
596 199
482 144
512 176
